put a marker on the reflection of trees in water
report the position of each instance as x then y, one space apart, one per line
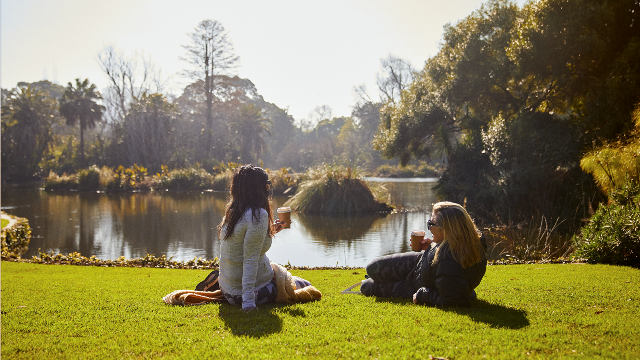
395 231
411 195
331 230
161 223
114 225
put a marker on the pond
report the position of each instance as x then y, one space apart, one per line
182 225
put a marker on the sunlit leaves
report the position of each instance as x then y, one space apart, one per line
615 164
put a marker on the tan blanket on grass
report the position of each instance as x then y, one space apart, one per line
287 292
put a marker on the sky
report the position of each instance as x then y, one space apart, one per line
299 54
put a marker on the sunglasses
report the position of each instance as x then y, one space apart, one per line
430 224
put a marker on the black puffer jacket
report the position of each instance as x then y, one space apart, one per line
446 283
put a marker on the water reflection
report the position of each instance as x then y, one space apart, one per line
183 225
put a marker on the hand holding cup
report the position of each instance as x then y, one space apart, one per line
284 215
417 238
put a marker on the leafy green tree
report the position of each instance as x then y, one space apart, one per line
570 58
283 133
231 93
513 97
27 117
249 128
471 77
79 106
581 56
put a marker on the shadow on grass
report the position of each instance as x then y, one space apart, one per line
256 324
494 315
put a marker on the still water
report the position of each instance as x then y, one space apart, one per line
183 225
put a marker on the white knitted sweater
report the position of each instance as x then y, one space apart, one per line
244 266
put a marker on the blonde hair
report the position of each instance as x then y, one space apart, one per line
460 233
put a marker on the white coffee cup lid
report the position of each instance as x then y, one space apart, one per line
284 209
417 232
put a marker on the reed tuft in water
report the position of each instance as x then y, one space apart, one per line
335 190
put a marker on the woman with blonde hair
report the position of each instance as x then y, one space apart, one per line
444 274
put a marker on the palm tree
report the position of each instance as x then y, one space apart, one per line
249 127
78 106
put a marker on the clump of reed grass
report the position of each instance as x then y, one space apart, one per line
334 190
533 240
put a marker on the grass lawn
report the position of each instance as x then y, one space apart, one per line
523 311
5 222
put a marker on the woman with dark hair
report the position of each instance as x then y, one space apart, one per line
246 276
445 274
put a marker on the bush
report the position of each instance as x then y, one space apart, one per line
183 179
62 182
89 179
521 168
222 182
284 181
422 169
385 170
129 179
15 241
612 235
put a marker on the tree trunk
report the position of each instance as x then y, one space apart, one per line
82 164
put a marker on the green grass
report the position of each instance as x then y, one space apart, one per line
5 222
545 311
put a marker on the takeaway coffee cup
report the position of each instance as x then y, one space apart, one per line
416 239
284 215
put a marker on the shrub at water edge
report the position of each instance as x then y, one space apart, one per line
89 179
60 182
194 178
15 241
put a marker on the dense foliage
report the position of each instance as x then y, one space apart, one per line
613 233
28 115
514 98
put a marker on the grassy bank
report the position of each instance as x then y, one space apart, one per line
540 311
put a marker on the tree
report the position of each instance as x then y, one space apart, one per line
147 135
319 113
78 105
211 54
130 78
27 117
249 128
514 97
398 76
585 53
